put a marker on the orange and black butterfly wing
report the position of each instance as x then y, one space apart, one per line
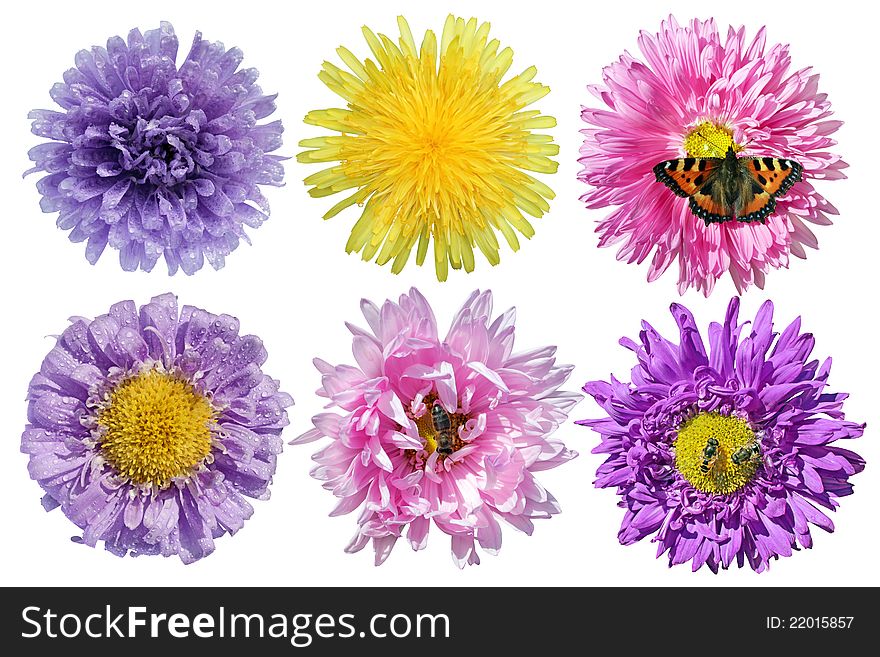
693 178
687 175
770 177
704 206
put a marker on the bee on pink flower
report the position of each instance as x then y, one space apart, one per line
445 432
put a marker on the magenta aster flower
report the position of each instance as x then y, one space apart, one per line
157 160
729 455
696 95
447 431
150 428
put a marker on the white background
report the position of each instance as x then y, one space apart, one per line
295 287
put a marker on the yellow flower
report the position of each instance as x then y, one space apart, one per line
435 144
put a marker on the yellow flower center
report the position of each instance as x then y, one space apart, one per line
155 427
709 139
437 146
717 453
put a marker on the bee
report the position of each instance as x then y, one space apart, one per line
750 452
710 453
443 427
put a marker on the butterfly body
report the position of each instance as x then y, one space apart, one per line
722 189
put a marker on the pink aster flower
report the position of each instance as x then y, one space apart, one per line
696 95
447 431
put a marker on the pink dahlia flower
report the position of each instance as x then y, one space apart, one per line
694 95
450 431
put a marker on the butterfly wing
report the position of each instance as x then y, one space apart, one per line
687 175
770 177
705 205
696 178
774 175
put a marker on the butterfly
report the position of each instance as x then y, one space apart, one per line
720 189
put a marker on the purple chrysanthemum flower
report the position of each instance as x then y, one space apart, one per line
727 455
157 160
150 427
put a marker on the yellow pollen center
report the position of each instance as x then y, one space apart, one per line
733 463
155 427
709 139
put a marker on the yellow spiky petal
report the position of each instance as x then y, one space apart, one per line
154 427
435 145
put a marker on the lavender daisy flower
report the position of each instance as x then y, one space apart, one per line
150 428
157 160
729 455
